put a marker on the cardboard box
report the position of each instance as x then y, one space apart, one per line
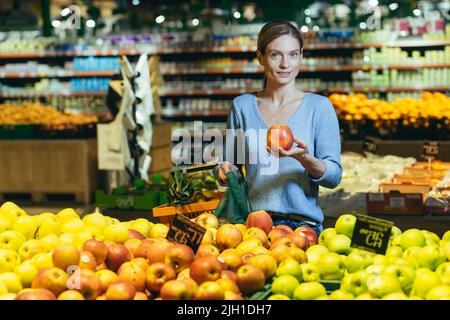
395 203
161 159
162 134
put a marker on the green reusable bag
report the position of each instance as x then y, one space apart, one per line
234 206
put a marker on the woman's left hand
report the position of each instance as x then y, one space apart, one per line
298 152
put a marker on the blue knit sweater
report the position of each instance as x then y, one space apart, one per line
281 184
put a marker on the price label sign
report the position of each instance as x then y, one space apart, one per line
371 234
371 145
186 232
430 149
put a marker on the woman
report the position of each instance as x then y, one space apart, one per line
290 194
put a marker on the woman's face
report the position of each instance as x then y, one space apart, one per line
281 60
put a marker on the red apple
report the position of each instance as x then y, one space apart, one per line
52 279
231 259
285 241
157 251
250 279
176 290
157 274
120 290
227 274
87 261
179 256
117 254
210 290
277 233
141 262
207 220
254 232
300 240
205 269
86 282
285 227
310 234
133 234
106 277
97 248
228 285
143 249
35 294
280 136
65 256
229 295
205 250
132 245
260 219
70 295
132 273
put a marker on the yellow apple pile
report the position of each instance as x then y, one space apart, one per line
61 256
416 266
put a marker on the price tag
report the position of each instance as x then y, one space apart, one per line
371 145
186 232
371 234
430 149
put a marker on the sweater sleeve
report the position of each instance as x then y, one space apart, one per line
328 145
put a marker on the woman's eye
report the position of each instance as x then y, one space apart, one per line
294 54
274 55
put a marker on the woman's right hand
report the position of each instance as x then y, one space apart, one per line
222 172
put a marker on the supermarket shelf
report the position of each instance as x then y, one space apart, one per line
21 75
203 92
237 70
388 89
72 94
170 114
316 46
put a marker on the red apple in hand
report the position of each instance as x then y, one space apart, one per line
280 136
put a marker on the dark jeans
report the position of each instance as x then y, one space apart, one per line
318 228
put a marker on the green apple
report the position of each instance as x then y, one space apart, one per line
50 241
44 216
30 248
364 296
309 291
446 249
355 283
441 292
396 296
12 281
141 225
67 238
42 260
27 272
446 236
341 295
381 260
345 225
27 225
11 240
47 226
310 272
381 285
444 273
357 260
72 226
3 289
324 297
339 244
278 297
117 233
403 262
394 251
285 284
374 269
411 238
11 211
394 238
314 252
326 235
425 280
292 267
404 274
66 215
331 266
430 257
430 237
8 260
412 252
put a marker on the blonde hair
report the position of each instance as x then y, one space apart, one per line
274 29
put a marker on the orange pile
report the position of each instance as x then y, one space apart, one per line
36 113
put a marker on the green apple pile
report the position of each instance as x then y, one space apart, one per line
62 256
416 266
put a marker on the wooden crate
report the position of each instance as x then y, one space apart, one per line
165 213
42 167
